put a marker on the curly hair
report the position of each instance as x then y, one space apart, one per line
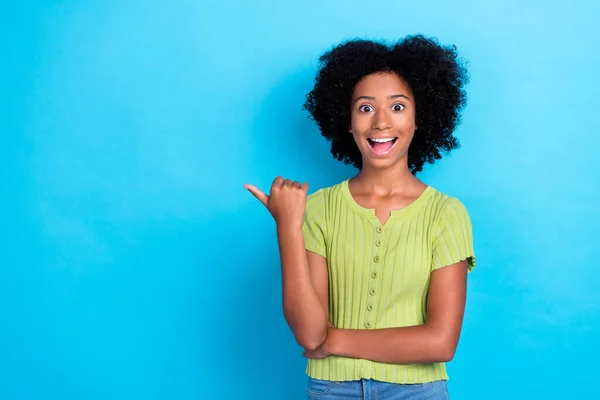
435 74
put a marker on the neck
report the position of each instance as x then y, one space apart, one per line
395 178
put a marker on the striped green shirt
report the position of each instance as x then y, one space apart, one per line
379 274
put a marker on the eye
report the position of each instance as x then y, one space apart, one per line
398 107
365 108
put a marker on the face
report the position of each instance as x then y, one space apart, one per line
383 119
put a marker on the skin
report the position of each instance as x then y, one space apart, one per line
382 106
303 306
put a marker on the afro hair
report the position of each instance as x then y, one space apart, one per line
435 74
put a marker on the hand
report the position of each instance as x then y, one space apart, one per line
286 202
322 351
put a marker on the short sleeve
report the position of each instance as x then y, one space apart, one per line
453 236
314 228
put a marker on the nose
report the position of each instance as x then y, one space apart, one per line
381 120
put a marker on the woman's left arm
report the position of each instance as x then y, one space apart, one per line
434 341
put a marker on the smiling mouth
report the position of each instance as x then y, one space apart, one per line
381 146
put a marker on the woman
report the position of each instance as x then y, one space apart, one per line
374 268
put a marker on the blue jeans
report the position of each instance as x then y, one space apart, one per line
368 389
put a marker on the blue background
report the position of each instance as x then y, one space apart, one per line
134 265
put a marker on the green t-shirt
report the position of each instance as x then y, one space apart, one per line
379 274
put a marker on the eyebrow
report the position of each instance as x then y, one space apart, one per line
394 96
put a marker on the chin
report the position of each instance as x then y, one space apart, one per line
381 163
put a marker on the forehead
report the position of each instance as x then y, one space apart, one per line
383 84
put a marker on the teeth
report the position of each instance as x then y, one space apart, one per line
382 140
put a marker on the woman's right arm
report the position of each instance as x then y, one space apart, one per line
304 274
305 289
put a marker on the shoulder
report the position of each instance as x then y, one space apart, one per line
444 205
322 200
315 201
325 195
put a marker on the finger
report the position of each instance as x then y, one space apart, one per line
287 183
304 187
263 198
277 182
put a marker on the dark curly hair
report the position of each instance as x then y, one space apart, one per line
435 74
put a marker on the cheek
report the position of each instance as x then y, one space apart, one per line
360 122
405 120
356 138
354 124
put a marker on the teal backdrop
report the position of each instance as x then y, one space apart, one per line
134 265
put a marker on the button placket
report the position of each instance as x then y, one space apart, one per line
373 279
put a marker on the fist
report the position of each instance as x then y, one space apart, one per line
286 201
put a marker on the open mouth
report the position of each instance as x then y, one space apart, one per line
382 146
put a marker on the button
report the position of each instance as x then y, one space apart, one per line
367 324
370 307
379 229
378 243
376 259
374 275
372 292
